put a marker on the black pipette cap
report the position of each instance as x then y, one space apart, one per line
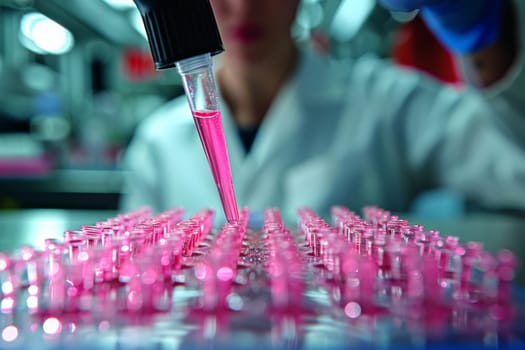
179 29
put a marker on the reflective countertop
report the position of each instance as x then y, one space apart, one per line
250 321
32 227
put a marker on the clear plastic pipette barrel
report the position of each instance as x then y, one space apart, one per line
201 92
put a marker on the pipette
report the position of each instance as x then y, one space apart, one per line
183 33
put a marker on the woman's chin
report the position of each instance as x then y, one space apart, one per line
246 57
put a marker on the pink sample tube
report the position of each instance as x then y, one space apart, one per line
202 95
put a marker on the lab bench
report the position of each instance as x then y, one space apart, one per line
247 323
63 188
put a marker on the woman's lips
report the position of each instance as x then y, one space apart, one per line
247 33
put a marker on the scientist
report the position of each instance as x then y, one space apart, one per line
302 132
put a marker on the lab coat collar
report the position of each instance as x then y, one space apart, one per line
279 123
308 85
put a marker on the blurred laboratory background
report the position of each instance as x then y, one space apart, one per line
76 77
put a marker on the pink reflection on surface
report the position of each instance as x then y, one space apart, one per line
352 310
32 302
4 262
7 305
7 287
9 334
225 274
52 326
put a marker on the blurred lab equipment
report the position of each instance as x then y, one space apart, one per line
462 26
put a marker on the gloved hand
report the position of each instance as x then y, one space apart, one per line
461 25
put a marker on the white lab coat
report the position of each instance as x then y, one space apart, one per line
367 133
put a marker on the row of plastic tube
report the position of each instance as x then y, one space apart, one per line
381 264
137 251
131 262
216 271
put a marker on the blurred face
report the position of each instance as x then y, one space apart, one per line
254 29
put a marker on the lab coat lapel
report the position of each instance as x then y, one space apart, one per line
280 124
279 128
278 137
272 142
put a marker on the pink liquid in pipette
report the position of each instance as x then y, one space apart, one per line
209 126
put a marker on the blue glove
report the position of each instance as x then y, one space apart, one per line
461 25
